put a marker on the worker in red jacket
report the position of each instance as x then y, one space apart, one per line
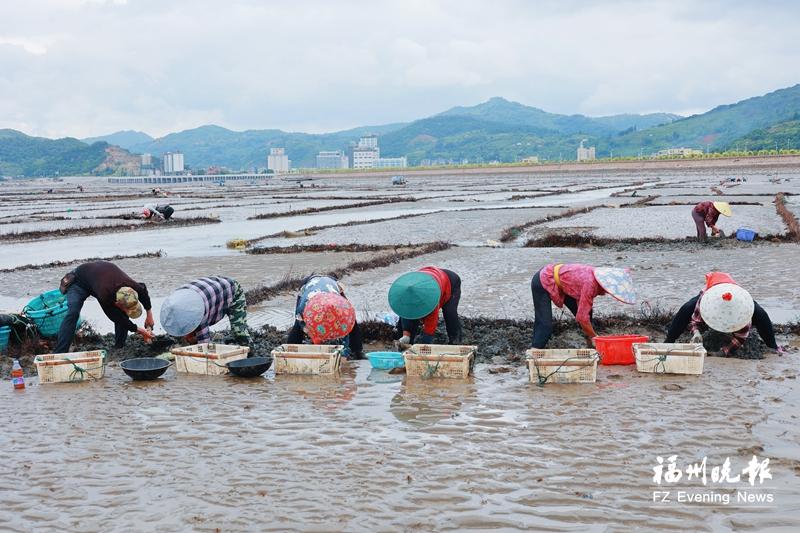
706 214
418 296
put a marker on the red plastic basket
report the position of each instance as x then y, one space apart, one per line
618 349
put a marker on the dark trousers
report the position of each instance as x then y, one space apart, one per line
449 312
683 318
352 342
76 295
167 212
700 223
543 312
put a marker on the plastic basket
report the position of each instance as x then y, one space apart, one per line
745 234
562 365
663 358
70 367
440 361
617 349
47 311
386 360
210 359
321 359
5 332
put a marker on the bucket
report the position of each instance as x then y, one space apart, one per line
47 311
745 234
618 349
386 360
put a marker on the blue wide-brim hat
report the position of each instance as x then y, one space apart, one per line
182 312
414 295
617 282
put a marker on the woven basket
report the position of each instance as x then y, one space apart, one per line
317 359
664 358
70 367
562 365
440 361
210 359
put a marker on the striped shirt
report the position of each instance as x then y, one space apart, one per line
738 338
218 294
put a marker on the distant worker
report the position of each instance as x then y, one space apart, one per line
707 214
323 313
726 307
157 213
417 297
120 297
192 309
575 286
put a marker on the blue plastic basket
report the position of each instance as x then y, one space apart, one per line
386 360
5 332
47 311
745 234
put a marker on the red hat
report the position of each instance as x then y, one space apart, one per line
715 278
328 316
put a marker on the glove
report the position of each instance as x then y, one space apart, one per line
697 338
405 339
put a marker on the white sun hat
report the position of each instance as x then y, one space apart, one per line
726 307
182 312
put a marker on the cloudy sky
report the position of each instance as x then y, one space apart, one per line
90 67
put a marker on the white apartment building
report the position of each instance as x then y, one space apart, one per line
368 141
172 163
332 159
586 153
390 162
278 161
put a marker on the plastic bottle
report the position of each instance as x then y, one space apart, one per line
16 376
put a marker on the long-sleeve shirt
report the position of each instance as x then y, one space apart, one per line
155 211
709 212
578 282
102 280
218 295
738 338
430 321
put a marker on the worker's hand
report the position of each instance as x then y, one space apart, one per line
146 334
697 338
149 322
589 342
405 339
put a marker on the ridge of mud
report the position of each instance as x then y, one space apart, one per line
309 210
54 264
792 224
689 244
301 248
111 228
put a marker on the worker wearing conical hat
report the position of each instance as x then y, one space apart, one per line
707 214
417 297
575 286
726 307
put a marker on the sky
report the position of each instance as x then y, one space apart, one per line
90 67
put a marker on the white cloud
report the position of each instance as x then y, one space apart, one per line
87 67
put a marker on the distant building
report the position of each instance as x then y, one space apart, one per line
530 160
332 159
586 154
147 160
368 141
172 163
678 152
278 161
390 162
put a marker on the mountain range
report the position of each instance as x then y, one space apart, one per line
495 130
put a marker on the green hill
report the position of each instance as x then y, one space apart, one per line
22 155
781 136
714 130
124 139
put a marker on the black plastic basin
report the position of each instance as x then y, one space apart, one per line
250 367
144 368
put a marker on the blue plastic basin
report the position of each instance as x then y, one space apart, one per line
745 234
386 360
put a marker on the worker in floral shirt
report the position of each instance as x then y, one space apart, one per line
575 286
726 307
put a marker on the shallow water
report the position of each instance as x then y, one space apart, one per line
361 454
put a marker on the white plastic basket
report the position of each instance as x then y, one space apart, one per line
210 359
70 367
562 365
667 358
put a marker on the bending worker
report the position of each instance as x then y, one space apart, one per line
324 314
726 307
157 213
418 296
118 295
707 214
575 286
192 309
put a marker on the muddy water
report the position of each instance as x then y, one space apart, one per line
359 453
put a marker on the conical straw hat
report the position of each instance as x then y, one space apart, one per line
724 208
726 307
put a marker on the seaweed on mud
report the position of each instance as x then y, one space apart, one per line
54 264
301 248
792 224
289 283
330 208
511 233
587 240
110 228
